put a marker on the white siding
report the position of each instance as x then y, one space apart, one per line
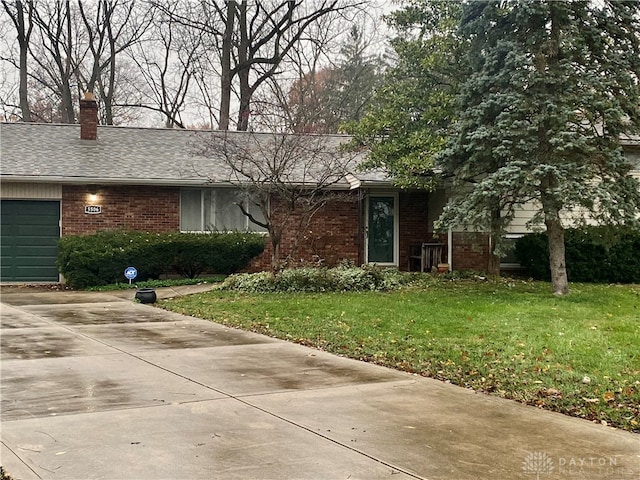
526 212
522 215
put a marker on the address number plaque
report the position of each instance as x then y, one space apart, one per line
92 209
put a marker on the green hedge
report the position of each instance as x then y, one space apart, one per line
100 259
593 254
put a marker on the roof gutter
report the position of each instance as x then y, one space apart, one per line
105 181
350 184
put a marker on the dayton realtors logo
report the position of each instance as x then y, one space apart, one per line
541 464
538 463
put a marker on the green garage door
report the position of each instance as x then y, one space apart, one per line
30 234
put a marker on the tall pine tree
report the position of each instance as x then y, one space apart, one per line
553 88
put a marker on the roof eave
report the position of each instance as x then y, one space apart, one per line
105 181
347 185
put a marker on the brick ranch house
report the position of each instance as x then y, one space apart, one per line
59 180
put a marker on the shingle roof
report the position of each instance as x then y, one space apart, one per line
124 155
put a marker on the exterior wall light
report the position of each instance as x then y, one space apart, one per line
93 193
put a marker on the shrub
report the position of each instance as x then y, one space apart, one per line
191 253
593 254
100 259
309 279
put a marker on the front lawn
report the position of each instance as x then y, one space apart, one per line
579 355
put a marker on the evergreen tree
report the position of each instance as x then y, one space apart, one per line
323 100
355 80
405 126
553 88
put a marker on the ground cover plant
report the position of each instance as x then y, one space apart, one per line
579 355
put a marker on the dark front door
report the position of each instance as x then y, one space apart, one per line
381 231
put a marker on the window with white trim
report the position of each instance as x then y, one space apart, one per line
509 261
217 209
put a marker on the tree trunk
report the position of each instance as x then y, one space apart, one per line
68 112
546 60
557 263
107 96
23 40
23 31
243 69
24 98
275 250
493 267
245 95
226 77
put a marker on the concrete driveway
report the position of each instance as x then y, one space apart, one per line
97 386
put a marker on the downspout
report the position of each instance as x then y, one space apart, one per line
450 248
356 184
360 228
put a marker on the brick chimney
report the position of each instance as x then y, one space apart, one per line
88 117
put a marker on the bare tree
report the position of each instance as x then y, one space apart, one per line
272 104
203 23
226 77
112 27
21 15
71 47
252 39
288 177
217 62
207 96
266 35
8 111
166 61
337 66
57 54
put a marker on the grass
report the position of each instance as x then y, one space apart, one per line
156 284
579 355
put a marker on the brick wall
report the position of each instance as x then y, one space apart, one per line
470 251
336 233
142 208
414 224
332 236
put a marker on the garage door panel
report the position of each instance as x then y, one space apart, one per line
34 207
38 251
28 272
30 234
36 236
34 272
36 275
35 231
8 229
36 256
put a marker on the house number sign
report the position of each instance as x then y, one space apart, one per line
92 209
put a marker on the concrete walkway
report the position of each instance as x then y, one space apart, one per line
97 386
